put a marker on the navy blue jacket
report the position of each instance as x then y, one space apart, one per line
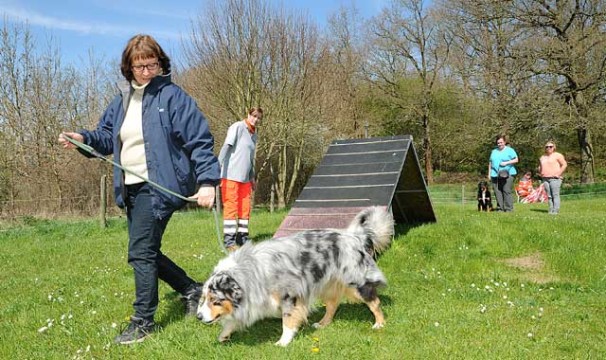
178 143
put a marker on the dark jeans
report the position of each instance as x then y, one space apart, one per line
144 241
503 191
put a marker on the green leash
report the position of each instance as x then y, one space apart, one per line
89 149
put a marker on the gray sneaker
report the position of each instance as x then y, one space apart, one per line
136 331
191 298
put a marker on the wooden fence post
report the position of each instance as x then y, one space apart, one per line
103 202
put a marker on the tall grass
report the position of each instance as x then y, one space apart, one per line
473 285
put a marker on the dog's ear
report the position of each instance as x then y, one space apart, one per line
229 287
237 295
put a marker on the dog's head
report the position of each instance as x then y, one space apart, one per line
482 186
222 296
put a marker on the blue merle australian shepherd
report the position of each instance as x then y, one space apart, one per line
283 277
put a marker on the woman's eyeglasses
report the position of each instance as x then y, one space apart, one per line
548 146
149 67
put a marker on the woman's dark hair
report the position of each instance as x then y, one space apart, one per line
501 136
142 47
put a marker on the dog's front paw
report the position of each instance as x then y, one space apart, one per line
378 325
228 329
282 343
223 339
317 325
287 336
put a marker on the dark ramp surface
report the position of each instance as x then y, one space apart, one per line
358 173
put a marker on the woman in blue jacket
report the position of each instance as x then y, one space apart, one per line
501 172
156 131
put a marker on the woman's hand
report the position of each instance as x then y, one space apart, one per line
65 143
205 196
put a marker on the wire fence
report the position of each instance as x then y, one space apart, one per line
53 207
468 194
90 205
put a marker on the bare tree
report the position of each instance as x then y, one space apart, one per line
344 74
540 63
568 46
408 40
39 97
482 54
227 48
483 60
242 55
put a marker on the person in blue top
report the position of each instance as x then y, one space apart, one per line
156 131
501 172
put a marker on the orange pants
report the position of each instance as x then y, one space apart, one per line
236 199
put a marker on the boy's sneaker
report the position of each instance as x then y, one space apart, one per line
242 238
136 331
191 298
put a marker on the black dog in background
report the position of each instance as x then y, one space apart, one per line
484 200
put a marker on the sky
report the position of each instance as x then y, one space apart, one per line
78 27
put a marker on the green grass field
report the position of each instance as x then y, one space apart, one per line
521 285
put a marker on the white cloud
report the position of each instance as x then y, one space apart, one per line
82 27
148 8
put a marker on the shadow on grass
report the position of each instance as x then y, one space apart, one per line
175 309
403 229
357 312
260 237
269 330
540 210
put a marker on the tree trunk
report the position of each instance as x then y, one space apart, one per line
427 156
281 184
587 159
584 138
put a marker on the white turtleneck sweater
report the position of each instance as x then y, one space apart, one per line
131 134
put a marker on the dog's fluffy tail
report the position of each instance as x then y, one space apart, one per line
375 224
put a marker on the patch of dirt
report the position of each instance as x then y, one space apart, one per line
533 267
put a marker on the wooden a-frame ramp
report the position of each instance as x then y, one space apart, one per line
358 173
